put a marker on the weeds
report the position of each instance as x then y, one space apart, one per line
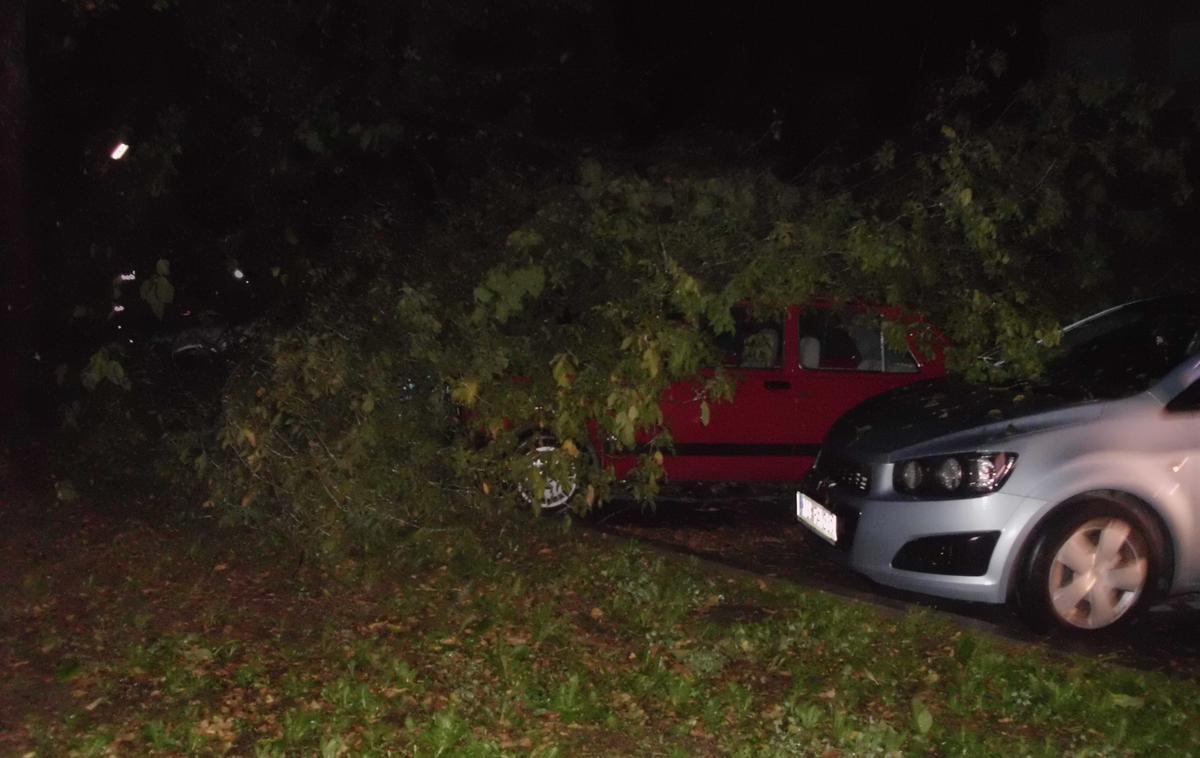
476 646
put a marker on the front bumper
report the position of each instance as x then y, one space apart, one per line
959 549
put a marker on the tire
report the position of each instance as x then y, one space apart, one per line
557 496
1093 568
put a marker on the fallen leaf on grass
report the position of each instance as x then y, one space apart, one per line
376 627
220 727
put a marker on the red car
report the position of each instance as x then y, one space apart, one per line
795 377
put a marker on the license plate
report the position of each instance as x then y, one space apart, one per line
816 517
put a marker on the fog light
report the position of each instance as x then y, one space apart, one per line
966 554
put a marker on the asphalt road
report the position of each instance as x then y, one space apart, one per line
759 534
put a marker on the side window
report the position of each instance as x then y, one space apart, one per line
829 342
825 343
898 360
754 344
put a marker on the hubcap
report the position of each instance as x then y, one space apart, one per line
1098 574
554 494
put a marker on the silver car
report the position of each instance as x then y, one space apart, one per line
1075 497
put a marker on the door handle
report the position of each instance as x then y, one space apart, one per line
777 384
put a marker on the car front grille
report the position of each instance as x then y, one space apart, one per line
844 473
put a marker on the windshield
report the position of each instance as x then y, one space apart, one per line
1126 350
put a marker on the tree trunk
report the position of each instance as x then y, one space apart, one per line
17 271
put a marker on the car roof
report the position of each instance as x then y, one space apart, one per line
1188 304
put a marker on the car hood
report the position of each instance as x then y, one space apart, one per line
945 415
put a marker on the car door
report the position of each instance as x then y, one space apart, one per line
845 358
1179 430
757 435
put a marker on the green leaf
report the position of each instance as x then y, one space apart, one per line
1126 701
65 491
465 392
650 361
885 158
924 721
563 369
102 367
523 239
157 290
705 413
922 718
506 290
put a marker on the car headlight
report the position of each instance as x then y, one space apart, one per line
964 474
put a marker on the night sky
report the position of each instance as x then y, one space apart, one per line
620 73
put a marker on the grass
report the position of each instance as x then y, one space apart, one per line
121 637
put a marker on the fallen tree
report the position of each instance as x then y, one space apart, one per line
371 411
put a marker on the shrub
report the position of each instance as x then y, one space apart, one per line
337 430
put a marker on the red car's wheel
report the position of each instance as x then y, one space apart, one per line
558 490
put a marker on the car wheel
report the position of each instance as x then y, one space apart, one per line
557 494
1090 569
